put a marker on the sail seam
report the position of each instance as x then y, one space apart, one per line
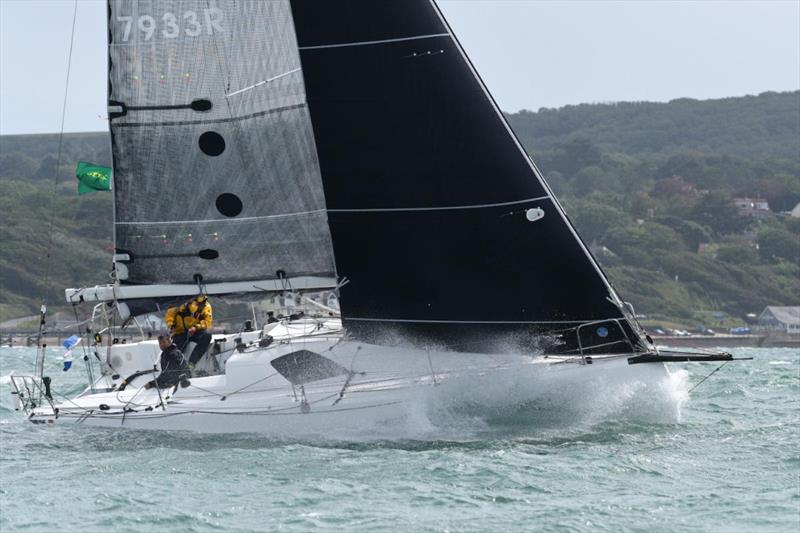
443 208
318 211
244 219
411 320
367 43
211 121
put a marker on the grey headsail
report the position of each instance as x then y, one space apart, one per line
442 225
215 166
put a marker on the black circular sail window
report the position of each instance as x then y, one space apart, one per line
201 105
212 143
208 254
229 204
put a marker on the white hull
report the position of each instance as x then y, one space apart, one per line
391 392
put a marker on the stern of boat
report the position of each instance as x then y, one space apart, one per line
33 398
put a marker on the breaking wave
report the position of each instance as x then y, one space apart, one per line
532 399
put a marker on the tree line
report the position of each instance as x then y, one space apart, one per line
649 185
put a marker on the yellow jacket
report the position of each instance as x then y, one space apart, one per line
196 313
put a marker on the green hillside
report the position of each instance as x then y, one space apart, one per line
647 184
763 126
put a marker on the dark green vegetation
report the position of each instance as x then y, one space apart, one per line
646 183
651 182
30 204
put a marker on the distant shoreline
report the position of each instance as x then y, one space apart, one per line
728 341
26 338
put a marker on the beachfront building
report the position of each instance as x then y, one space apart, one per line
778 318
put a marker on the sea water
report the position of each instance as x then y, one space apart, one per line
724 458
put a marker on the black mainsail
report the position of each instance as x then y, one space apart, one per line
341 140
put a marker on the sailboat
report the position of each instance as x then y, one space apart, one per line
293 146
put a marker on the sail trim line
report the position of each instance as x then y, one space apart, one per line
443 208
367 43
264 82
211 121
212 220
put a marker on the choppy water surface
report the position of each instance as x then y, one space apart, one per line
725 459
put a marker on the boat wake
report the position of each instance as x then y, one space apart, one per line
529 400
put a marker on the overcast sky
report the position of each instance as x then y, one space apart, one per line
531 53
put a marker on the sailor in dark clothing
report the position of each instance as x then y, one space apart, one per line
173 365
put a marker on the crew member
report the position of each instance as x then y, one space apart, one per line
191 322
173 365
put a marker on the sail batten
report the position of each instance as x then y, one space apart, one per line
424 321
214 121
380 41
435 208
234 221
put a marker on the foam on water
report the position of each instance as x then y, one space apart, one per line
510 402
598 455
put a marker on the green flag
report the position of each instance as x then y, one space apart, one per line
92 178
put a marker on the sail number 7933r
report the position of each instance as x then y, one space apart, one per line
171 25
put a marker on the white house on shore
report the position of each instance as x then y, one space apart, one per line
754 207
777 318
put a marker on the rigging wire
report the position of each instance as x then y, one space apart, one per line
58 159
39 370
708 376
84 347
225 395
